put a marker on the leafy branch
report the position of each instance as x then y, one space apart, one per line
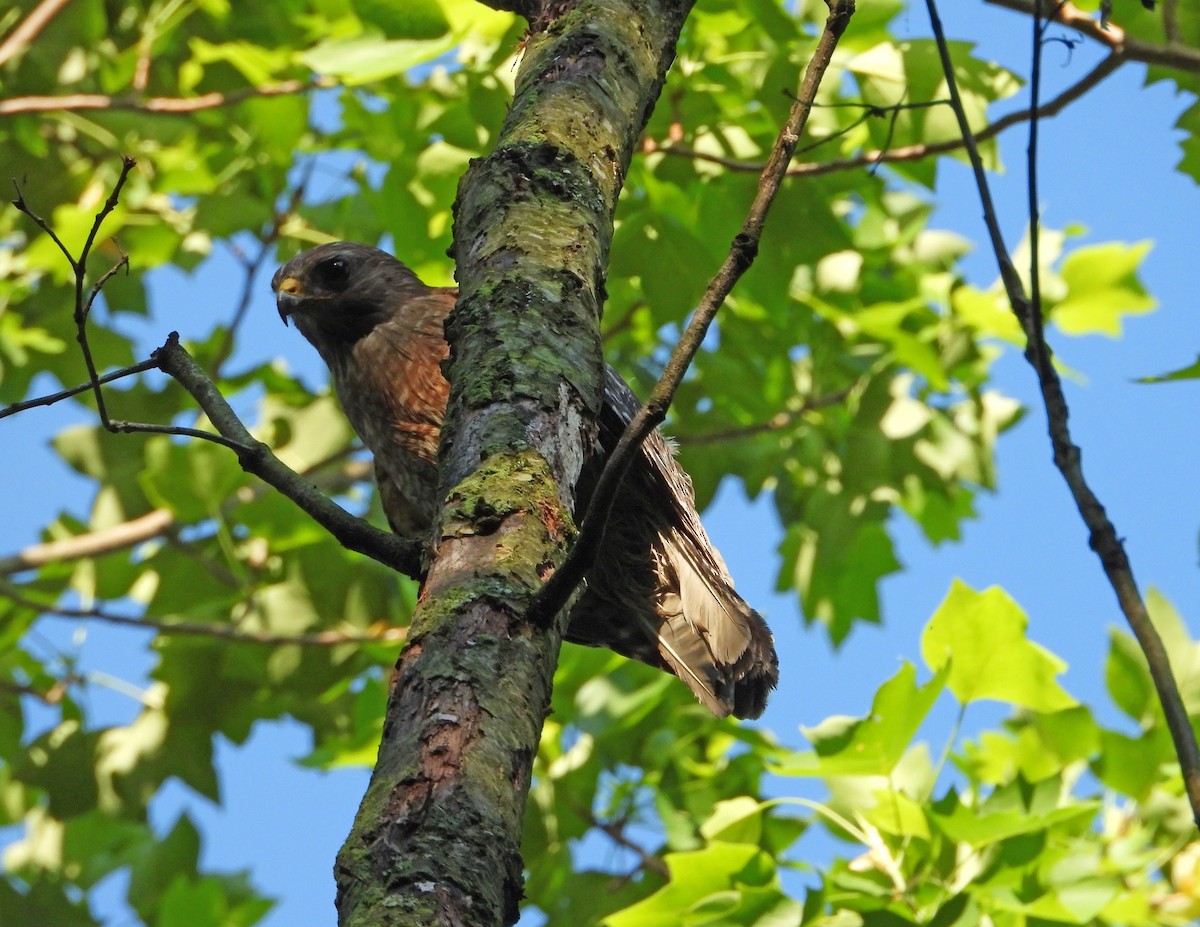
558 589
917 152
1103 539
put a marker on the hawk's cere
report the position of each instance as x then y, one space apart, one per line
658 592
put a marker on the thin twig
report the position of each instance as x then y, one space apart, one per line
1103 538
226 632
30 28
777 422
52 696
72 102
1035 322
616 833
1171 21
253 265
52 398
97 543
558 589
625 321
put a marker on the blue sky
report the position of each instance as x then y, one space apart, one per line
1107 163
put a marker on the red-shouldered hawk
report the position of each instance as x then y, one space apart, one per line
658 592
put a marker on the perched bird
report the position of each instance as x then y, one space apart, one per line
658 592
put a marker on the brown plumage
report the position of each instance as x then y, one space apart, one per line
658 592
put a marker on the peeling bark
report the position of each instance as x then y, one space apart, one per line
437 839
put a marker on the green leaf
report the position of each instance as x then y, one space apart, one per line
409 19
1128 677
1102 287
193 480
722 883
1190 372
835 559
1127 674
44 902
1005 815
364 60
981 637
870 746
156 867
188 903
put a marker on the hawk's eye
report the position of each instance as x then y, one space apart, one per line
333 273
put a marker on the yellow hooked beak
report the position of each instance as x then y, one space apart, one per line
287 295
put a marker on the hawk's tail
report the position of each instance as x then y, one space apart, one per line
682 615
709 637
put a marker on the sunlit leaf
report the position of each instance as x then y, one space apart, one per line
980 636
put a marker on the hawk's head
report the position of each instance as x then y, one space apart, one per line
339 292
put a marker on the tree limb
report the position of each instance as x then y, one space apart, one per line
51 398
1103 537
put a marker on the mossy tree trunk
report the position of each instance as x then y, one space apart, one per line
437 839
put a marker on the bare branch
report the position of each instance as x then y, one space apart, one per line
226 632
72 102
97 543
30 28
554 594
1103 538
52 398
254 456
1170 54
909 152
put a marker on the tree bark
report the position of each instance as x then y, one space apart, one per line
437 838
